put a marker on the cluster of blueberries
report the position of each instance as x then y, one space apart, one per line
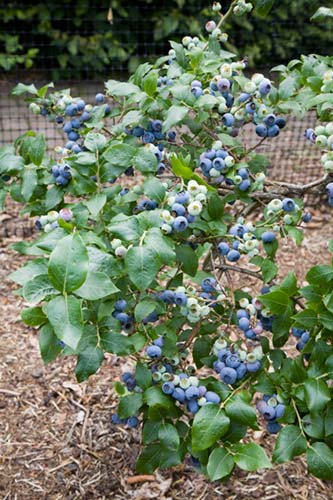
302 335
232 365
50 221
152 133
127 320
271 409
244 240
184 206
62 174
252 319
270 126
71 114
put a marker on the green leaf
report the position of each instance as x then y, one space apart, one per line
121 89
129 405
94 141
65 316
49 344
163 246
250 457
154 189
320 274
322 12
33 316
125 228
96 286
29 182
287 87
143 308
142 264
215 206
241 412
150 431
88 362
269 270
174 116
306 318
328 422
150 83
120 155
53 197
149 459
188 259
328 301
11 164
21 88
277 301
96 203
320 461
153 396
263 7
68 265
169 437
142 376
145 161
313 426
317 394
37 149
289 284
209 424
29 271
289 444
220 464
38 288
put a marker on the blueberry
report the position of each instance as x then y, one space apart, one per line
228 375
233 255
168 296
233 361
192 406
269 120
85 116
76 123
279 410
180 298
191 392
71 110
244 185
261 130
273 427
265 87
218 365
306 217
73 136
182 197
80 104
67 127
228 120
208 284
179 394
305 337
268 237
115 419
250 108
280 122
197 91
133 422
159 341
219 164
288 205
244 324
212 397
126 376
157 125
273 131
61 181
168 387
153 351
99 98
148 137
180 224
172 135
178 208
223 248
241 371
253 367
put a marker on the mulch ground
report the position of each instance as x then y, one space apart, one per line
56 437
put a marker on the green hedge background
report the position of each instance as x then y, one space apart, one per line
74 39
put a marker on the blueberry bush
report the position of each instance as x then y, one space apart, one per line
148 216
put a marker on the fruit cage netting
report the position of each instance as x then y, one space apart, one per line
81 44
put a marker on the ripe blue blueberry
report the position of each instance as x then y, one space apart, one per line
253 367
223 248
179 394
233 255
191 392
228 375
273 427
212 397
192 406
268 237
208 284
261 130
153 351
228 120
168 387
233 361
265 87
180 224
99 98
168 296
244 324
273 131
180 299
288 205
133 422
178 208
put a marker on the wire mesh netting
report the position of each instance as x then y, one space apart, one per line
83 53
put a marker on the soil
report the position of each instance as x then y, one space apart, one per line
56 437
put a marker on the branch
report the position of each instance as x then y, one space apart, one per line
242 270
